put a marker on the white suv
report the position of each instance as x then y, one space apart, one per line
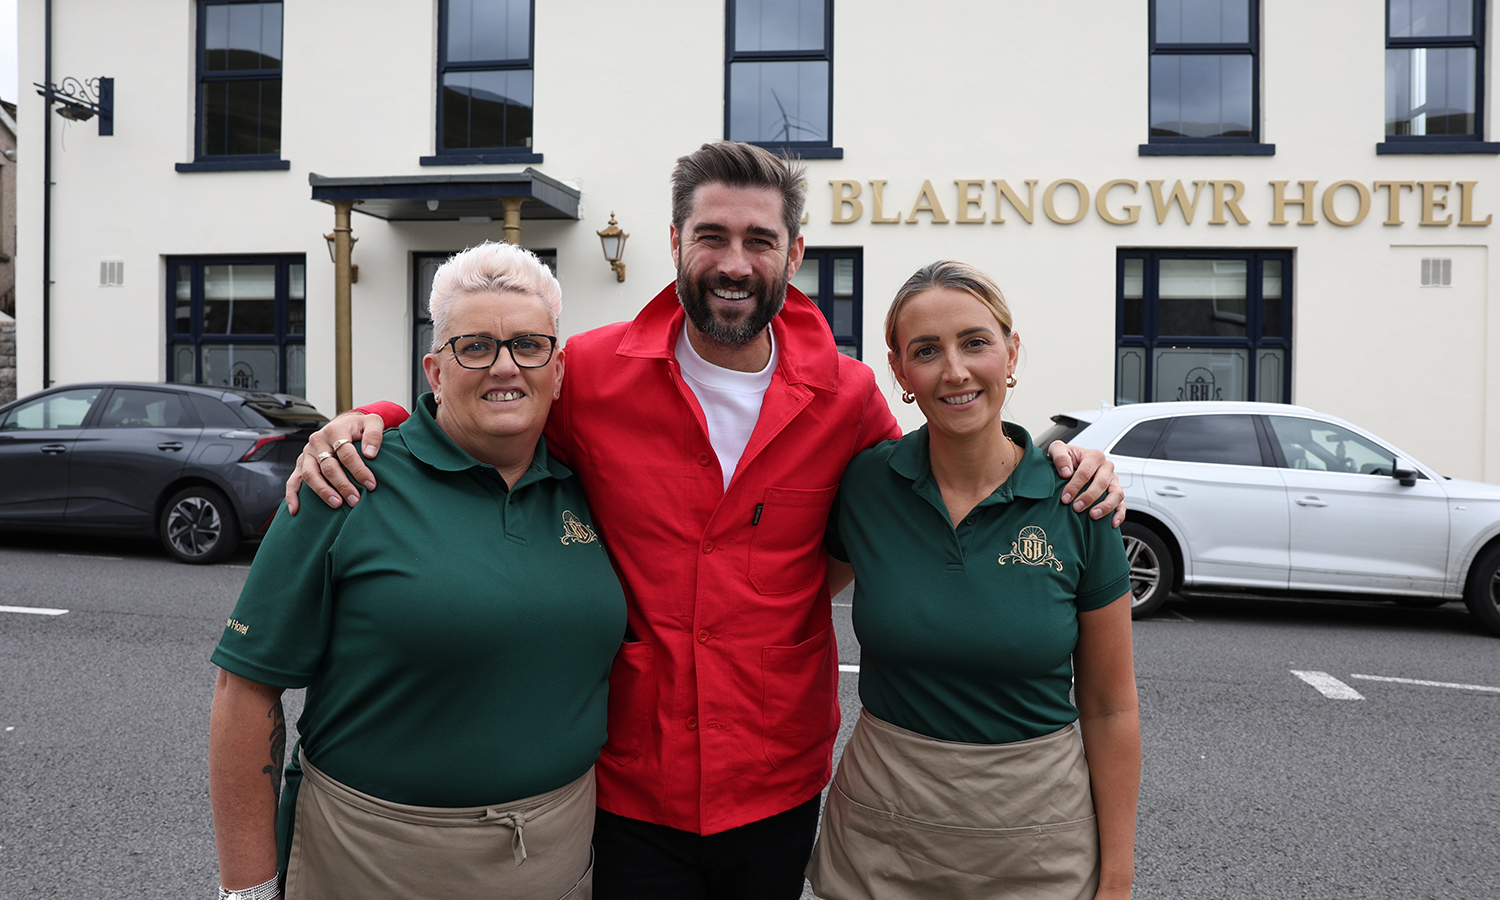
1275 497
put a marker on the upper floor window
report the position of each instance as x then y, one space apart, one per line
238 322
484 82
1205 78
1434 60
239 81
779 75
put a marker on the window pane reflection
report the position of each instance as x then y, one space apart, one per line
1430 90
806 279
778 25
1271 308
1132 318
778 101
1431 18
1202 21
1203 297
296 300
1201 96
239 299
487 109
489 30
242 36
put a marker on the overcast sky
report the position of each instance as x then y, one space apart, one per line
8 77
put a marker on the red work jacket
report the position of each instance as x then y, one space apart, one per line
723 702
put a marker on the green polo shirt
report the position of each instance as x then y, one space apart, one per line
455 636
967 634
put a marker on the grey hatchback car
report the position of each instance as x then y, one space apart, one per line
200 468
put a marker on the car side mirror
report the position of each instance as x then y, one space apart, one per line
1404 472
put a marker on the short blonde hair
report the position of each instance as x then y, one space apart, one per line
490 268
946 273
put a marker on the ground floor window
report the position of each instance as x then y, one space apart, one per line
424 268
238 321
1203 325
833 278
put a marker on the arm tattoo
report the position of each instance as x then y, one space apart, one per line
278 747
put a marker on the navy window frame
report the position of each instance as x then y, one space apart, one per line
789 149
468 156
281 338
239 162
825 257
1396 144
1254 339
1208 146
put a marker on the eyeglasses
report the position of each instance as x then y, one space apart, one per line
480 351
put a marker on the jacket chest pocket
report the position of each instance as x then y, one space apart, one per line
786 543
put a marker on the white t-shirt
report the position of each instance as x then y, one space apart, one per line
730 400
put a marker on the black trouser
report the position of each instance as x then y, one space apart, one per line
635 860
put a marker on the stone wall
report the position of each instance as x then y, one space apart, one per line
7 359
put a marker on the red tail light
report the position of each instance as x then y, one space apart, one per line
262 448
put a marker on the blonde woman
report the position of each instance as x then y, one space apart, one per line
979 599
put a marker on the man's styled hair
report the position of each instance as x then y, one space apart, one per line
737 165
490 268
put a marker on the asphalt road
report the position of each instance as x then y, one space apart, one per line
1256 782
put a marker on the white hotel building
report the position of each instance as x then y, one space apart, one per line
1226 199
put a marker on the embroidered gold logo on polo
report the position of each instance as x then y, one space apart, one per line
1031 548
575 532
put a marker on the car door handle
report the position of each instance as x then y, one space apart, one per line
54 449
1310 501
170 445
1170 491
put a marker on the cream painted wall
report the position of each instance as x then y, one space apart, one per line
1007 90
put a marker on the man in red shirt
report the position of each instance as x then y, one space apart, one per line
709 435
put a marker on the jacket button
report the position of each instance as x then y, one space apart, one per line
703 637
692 723
708 546
703 459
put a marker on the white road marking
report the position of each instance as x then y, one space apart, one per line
34 610
845 667
1329 686
1446 684
88 556
1179 615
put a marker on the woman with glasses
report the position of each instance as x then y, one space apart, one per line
454 632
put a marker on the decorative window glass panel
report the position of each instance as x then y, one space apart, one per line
1202 297
251 367
1431 18
489 30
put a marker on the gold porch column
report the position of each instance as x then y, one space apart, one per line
513 219
342 343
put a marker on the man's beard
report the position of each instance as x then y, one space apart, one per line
694 296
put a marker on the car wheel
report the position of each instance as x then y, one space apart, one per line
198 526
1482 593
1151 569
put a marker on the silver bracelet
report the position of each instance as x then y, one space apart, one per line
270 890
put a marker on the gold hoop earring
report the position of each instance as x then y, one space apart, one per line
1010 381
908 397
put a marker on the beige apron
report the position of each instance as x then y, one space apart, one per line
913 817
348 844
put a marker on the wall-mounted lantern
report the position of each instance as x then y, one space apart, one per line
613 240
333 256
79 101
